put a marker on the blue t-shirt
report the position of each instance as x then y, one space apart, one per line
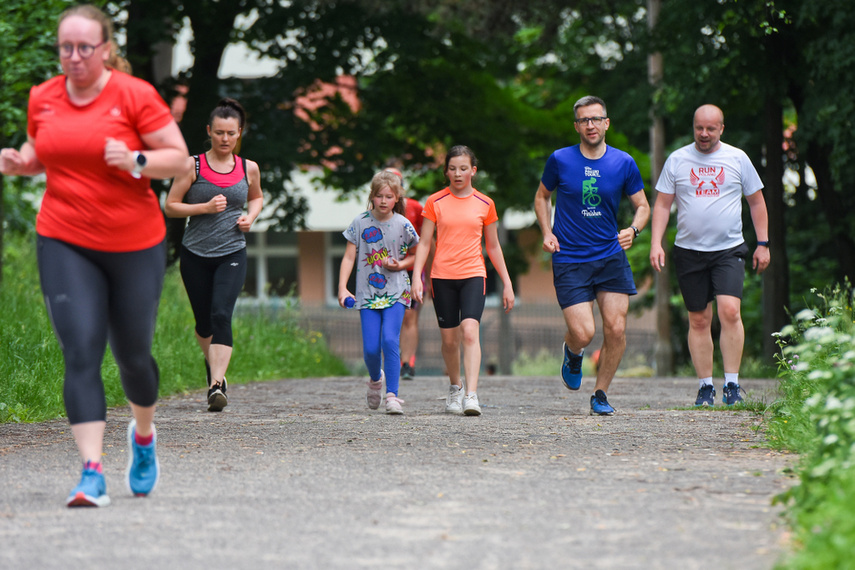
587 199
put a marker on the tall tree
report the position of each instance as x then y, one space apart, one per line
28 56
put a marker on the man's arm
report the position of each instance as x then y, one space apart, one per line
543 210
661 214
760 219
626 237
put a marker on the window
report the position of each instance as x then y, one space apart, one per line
271 263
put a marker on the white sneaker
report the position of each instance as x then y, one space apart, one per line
393 404
375 389
470 405
454 400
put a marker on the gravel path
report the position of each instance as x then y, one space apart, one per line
300 474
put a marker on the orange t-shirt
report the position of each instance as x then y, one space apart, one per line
459 229
86 202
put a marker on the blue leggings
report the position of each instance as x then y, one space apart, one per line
381 328
92 296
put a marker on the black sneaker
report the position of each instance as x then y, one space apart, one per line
217 399
706 396
731 394
208 372
407 371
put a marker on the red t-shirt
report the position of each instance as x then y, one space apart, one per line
413 212
88 203
459 229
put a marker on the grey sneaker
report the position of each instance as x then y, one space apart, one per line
375 389
454 400
471 406
393 404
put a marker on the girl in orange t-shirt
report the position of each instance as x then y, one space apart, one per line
462 216
99 135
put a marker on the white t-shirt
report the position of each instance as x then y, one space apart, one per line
709 190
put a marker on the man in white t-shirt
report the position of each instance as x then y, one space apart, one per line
708 180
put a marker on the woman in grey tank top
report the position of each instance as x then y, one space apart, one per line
213 251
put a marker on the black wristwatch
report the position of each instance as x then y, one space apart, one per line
763 243
139 162
636 230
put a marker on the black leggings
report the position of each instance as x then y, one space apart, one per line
96 296
213 285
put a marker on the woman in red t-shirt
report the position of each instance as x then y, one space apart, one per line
100 135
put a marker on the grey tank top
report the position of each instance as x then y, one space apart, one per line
216 235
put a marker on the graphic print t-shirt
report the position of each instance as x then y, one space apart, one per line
709 190
588 192
376 287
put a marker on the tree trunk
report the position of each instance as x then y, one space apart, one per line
834 208
664 350
776 279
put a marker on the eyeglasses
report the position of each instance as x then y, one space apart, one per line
85 51
588 120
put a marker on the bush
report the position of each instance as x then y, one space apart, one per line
816 417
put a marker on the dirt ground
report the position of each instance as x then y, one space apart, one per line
300 474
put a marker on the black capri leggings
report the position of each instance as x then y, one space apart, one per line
213 285
96 296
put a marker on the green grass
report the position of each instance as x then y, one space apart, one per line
267 347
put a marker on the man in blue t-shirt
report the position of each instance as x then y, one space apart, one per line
588 259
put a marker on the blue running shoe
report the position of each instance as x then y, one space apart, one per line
600 405
706 396
91 491
571 370
731 394
143 467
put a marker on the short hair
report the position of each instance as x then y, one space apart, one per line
590 100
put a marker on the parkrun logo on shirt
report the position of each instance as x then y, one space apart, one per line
590 198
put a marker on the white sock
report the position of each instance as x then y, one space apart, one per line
731 378
705 382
